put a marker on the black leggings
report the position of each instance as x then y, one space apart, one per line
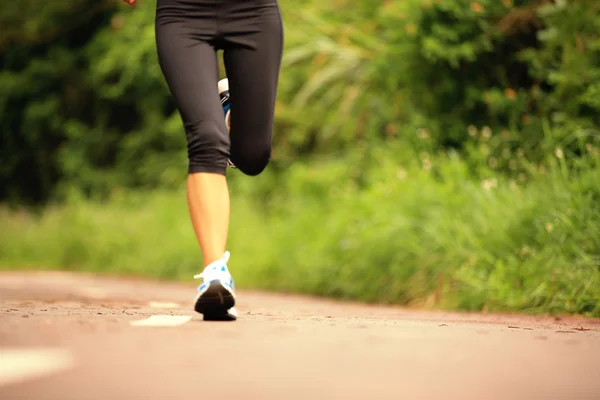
250 33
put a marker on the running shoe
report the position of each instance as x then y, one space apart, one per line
215 297
223 86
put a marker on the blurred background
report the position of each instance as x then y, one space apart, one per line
427 153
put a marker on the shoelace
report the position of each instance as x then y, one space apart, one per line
209 268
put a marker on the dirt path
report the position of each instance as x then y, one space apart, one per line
66 337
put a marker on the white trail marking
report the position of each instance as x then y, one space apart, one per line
19 365
163 320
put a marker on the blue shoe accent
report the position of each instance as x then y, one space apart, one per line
224 97
202 287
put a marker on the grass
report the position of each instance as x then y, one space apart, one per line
425 237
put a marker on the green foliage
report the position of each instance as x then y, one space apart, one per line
568 65
27 23
425 234
42 93
135 138
527 69
84 106
425 151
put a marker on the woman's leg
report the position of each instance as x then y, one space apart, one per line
251 34
190 68
189 64
253 46
208 203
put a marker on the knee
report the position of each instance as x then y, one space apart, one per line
207 147
252 162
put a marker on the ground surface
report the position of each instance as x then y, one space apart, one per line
65 336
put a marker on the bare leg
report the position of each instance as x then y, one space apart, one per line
208 202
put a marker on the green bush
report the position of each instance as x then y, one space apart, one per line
41 91
85 108
425 234
527 69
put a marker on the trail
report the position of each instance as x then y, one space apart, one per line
70 336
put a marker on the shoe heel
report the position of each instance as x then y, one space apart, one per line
215 303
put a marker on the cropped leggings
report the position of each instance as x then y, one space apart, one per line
250 33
